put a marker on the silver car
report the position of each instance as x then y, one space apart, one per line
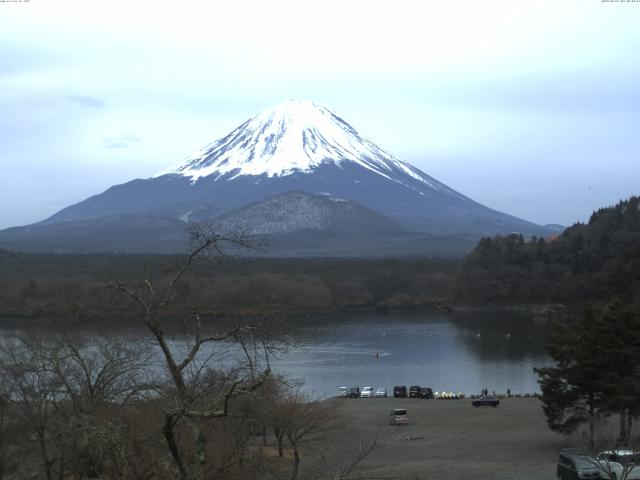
381 392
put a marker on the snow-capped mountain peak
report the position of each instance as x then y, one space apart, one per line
291 137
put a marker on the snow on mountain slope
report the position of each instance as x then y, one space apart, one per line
292 137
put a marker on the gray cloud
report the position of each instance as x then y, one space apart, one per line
121 142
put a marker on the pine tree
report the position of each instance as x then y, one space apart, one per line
621 336
597 371
572 391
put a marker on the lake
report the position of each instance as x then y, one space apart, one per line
462 351
450 351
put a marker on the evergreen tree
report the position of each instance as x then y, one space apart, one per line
597 370
621 379
572 391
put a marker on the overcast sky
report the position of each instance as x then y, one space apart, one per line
529 107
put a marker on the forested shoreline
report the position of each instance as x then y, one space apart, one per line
35 285
587 263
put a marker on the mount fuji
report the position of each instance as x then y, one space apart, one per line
293 147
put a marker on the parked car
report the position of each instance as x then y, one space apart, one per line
574 464
343 392
414 391
367 392
615 464
400 391
399 417
426 392
489 401
381 392
354 392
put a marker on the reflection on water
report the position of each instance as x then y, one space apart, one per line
450 351
461 351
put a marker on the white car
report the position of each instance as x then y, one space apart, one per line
619 465
343 392
381 392
366 392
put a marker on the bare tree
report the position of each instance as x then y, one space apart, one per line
99 376
196 396
8 460
301 419
67 397
33 390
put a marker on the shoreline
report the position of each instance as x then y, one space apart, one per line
551 310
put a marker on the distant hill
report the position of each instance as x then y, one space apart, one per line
293 211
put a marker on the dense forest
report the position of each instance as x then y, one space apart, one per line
72 285
586 263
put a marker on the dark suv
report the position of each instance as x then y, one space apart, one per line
400 391
426 392
414 391
354 392
574 464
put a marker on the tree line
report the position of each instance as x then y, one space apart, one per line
586 262
67 284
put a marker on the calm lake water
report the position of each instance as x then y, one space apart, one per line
450 351
447 351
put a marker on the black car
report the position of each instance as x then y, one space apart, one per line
354 392
574 464
487 401
414 391
426 392
400 391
